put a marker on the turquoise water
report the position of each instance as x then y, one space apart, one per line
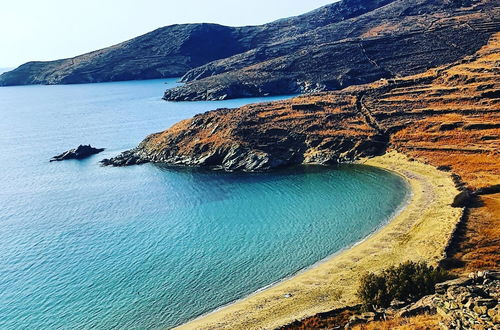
147 247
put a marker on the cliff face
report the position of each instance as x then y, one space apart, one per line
440 114
173 50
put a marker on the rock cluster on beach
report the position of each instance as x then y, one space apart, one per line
81 152
470 302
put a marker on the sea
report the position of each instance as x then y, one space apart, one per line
151 246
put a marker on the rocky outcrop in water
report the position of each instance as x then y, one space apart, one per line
81 152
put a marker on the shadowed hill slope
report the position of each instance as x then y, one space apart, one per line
401 38
165 52
171 51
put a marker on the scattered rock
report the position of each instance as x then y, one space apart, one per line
424 305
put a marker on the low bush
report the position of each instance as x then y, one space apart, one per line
407 282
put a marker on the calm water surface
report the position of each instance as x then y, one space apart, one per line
147 247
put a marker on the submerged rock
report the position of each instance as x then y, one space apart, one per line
81 152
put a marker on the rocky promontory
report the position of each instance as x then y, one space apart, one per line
342 126
401 38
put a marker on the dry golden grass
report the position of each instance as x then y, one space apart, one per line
421 322
480 246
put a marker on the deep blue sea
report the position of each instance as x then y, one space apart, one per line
150 247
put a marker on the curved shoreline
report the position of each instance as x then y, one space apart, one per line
420 230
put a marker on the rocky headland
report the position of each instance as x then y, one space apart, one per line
420 115
397 39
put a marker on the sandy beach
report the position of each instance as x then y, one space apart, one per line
419 232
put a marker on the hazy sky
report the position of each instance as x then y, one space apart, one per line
52 29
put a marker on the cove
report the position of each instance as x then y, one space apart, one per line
85 246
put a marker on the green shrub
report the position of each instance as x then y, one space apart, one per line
407 282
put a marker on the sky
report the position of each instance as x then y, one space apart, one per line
51 29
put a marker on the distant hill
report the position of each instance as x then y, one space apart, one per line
173 50
338 45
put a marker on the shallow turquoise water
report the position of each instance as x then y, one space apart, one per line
149 247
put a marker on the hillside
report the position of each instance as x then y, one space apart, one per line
447 117
460 99
401 38
172 51
346 43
